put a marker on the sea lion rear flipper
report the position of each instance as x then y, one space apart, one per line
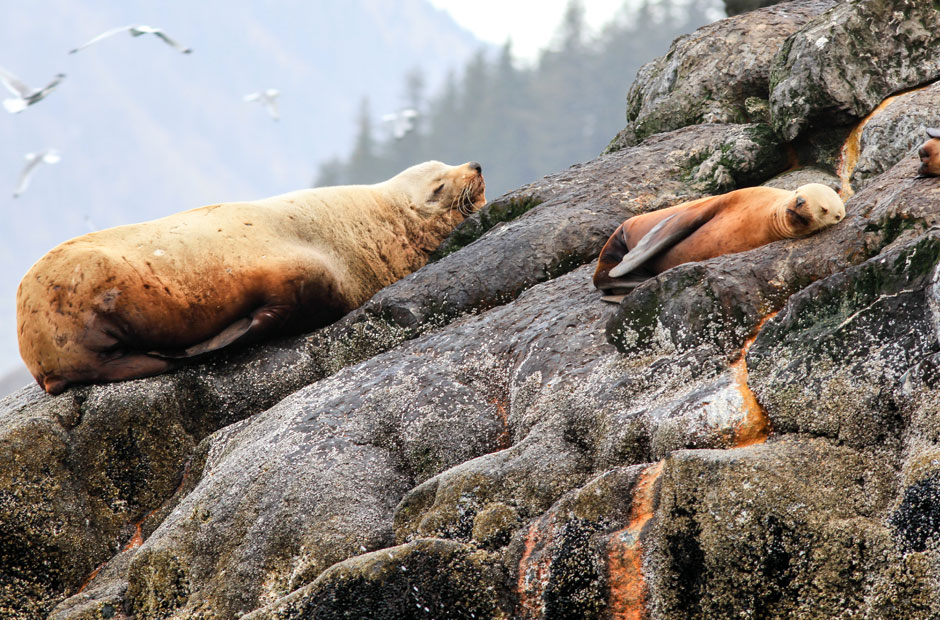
611 255
665 234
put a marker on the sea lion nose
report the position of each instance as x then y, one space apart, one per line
922 153
475 166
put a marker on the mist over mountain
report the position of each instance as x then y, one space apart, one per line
146 131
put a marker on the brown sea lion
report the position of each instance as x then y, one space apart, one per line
131 301
651 243
929 153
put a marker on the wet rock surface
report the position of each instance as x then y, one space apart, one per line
843 63
750 436
895 131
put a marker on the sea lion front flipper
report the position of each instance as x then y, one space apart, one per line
660 237
224 338
665 234
260 321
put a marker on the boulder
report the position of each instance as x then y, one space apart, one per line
709 76
791 528
840 65
426 578
884 139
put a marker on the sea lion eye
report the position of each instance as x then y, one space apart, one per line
439 189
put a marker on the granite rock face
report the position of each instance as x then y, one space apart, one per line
750 436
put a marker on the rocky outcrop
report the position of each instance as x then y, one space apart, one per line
884 138
574 216
750 436
844 63
718 74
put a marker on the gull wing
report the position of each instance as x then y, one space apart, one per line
103 35
14 84
172 42
49 156
271 104
55 82
28 169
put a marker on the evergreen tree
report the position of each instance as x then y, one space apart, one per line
408 146
332 172
363 166
522 123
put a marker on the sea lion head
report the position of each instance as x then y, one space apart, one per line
812 207
929 153
438 188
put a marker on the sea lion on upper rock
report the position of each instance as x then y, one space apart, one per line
744 219
929 153
130 301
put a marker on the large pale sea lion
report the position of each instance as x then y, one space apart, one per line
131 301
929 154
651 243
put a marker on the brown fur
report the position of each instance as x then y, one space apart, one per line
127 302
734 222
929 153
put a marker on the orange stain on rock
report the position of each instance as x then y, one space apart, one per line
505 439
138 538
755 428
852 147
625 553
91 577
533 573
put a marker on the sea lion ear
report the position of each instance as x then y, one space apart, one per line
933 132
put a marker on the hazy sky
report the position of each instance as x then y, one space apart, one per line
495 21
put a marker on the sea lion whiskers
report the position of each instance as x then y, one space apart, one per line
463 202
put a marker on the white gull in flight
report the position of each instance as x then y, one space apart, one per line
48 156
25 95
401 122
135 31
268 98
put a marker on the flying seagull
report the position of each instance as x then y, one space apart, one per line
400 122
267 98
135 31
49 156
25 95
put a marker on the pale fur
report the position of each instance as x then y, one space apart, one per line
178 280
